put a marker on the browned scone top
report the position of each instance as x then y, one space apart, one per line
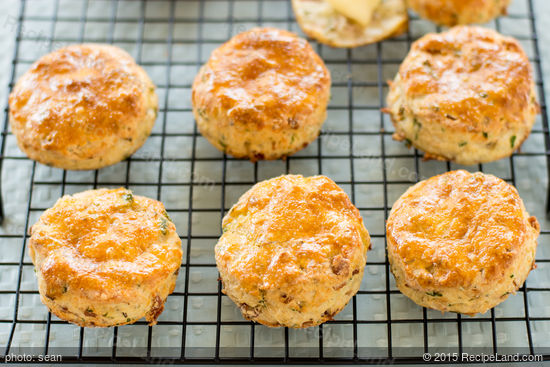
293 251
105 257
467 95
454 12
461 242
83 107
261 95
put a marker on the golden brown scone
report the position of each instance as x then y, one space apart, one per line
83 107
293 251
105 258
461 242
465 95
261 95
321 22
453 12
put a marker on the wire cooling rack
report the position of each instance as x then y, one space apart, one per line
171 39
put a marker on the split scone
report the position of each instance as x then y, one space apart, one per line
453 12
262 95
293 251
105 258
461 242
353 23
83 107
466 95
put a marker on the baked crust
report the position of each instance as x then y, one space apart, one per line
321 22
293 251
105 257
261 95
83 107
461 242
465 95
454 12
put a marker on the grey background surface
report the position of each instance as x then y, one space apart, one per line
531 180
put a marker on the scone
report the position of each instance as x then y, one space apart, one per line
292 252
83 107
261 95
105 258
319 20
453 12
466 95
461 242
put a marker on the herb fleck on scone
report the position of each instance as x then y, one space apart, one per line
466 95
461 242
293 251
105 258
262 95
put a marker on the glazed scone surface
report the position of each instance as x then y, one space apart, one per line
83 107
454 12
293 251
465 95
319 20
105 257
261 95
461 242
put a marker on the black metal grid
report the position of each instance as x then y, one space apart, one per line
346 137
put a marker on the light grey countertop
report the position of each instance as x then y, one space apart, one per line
531 182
